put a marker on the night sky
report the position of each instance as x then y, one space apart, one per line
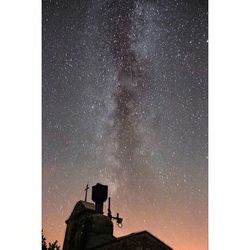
125 103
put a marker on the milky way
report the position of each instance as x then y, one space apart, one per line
125 104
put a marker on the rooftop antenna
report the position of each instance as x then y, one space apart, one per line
86 192
117 218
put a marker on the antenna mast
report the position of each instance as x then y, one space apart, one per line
109 211
117 218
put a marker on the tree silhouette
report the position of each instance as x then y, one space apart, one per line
44 244
52 246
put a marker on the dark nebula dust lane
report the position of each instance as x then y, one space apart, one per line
125 104
131 80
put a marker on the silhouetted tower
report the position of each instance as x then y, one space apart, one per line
89 228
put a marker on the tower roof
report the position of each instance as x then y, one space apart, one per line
80 207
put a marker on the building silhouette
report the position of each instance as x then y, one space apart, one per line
88 228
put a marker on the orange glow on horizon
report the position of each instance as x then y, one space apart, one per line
174 235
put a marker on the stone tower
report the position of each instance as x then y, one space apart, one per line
87 228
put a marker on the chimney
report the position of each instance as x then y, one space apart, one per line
99 196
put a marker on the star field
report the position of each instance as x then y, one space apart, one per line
125 96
